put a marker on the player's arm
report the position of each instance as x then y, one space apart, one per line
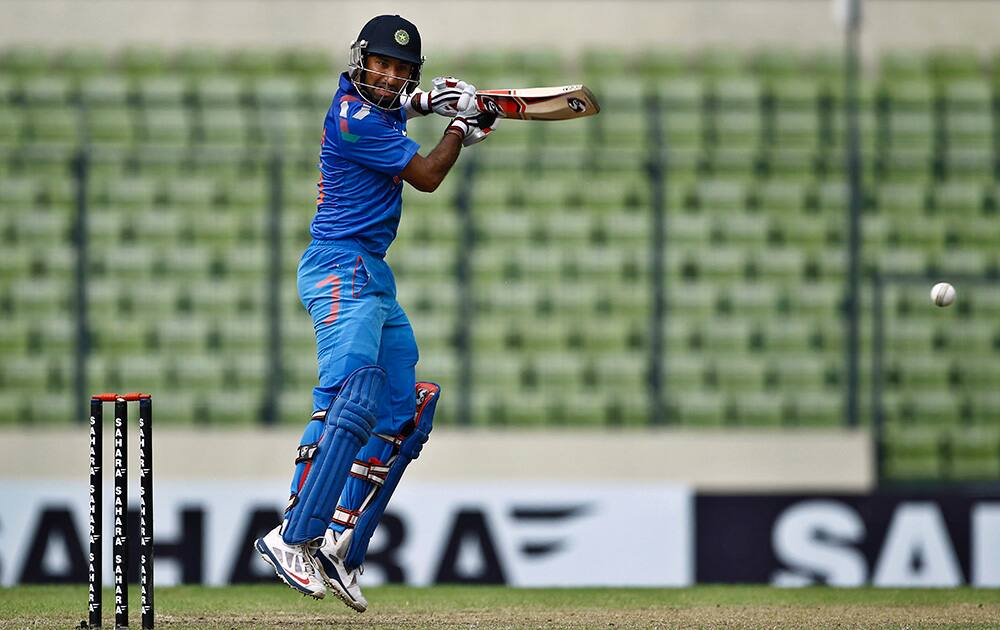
426 173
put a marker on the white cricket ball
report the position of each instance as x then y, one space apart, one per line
943 294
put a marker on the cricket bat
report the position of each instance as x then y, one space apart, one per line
542 103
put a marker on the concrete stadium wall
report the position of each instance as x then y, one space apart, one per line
561 24
712 460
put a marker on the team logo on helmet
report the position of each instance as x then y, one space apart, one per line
402 37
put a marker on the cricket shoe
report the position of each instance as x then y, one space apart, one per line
294 564
335 574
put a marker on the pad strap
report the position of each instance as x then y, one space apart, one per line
347 425
405 448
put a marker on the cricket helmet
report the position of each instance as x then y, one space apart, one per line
388 36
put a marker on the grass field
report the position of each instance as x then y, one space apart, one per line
751 607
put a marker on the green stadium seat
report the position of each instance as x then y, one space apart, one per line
113 335
58 125
967 95
143 61
911 129
775 62
251 371
690 229
723 337
39 297
723 196
700 409
973 130
197 373
275 93
192 193
233 407
976 165
25 372
759 409
972 263
738 130
738 94
750 300
910 337
167 91
977 373
920 372
685 374
738 374
957 199
792 336
902 199
795 373
183 334
111 126
47 91
26 60
165 126
950 63
285 127
818 409
683 129
905 164
912 454
105 91
722 62
15 263
198 61
106 226
52 409
928 233
308 62
985 405
687 94
135 193
796 129
124 261
688 299
932 407
750 230
12 126
20 194
904 65
975 454
795 94
229 127
218 92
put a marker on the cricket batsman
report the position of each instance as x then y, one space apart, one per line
371 417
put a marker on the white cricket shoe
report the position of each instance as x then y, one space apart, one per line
330 563
294 564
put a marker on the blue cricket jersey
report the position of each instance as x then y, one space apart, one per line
360 190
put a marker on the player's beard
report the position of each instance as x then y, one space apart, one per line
378 92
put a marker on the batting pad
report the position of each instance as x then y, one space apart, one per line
407 447
349 422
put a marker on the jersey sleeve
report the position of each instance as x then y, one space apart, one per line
370 140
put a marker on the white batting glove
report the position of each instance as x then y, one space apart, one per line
448 97
473 125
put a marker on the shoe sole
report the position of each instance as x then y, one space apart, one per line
340 591
269 558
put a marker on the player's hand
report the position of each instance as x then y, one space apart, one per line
472 125
448 97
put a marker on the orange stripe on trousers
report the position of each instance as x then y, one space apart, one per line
333 280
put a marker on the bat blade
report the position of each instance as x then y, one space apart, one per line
542 103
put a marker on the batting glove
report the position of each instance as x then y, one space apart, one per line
448 97
473 126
